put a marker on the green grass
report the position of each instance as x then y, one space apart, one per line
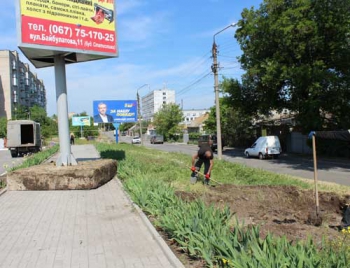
36 159
205 232
175 168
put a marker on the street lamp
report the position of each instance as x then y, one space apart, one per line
214 68
139 110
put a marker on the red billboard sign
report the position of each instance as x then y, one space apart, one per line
83 26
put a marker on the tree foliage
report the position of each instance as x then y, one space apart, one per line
235 124
3 127
167 119
38 114
125 126
296 55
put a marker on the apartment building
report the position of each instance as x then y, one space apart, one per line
153 102
18 85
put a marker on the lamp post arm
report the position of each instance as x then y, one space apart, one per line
231 25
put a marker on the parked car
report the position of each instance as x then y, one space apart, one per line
157 139
211 140
265 147
136 140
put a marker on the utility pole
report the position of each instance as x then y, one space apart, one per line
215 68
139 110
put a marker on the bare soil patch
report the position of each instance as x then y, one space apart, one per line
280 210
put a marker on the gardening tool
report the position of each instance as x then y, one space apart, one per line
194 179
317 218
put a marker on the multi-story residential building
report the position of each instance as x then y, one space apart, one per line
153 102
18 85
190 115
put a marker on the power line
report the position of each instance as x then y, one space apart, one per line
182 91
225 56
200 62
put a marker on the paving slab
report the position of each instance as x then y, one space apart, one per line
79 228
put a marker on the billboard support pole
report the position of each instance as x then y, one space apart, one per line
116 126
65 157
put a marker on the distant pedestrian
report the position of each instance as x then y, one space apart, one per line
72 138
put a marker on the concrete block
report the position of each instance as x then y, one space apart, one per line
86 175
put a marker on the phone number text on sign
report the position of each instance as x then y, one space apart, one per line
46 32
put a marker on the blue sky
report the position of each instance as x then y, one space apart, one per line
162 43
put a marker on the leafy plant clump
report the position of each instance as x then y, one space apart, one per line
206 232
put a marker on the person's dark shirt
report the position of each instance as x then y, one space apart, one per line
202 150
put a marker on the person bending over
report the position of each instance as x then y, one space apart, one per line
203 156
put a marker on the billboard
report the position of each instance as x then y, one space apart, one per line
74 26
80 121
115 111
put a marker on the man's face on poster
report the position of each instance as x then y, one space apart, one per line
102 108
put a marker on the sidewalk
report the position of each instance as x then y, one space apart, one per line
87 228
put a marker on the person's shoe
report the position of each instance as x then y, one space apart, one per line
193 179
206 181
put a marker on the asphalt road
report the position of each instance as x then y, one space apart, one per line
328 170
6 161
335 170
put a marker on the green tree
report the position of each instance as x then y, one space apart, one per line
235 124
21 112
48 125
38 114
296 55
125 126
167 119
3 127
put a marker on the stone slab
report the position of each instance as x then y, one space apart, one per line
86 175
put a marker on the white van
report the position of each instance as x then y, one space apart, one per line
264 147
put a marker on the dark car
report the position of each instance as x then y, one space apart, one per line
209 139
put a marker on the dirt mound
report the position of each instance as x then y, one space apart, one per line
280 210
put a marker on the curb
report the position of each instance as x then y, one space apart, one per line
3 191
160 241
